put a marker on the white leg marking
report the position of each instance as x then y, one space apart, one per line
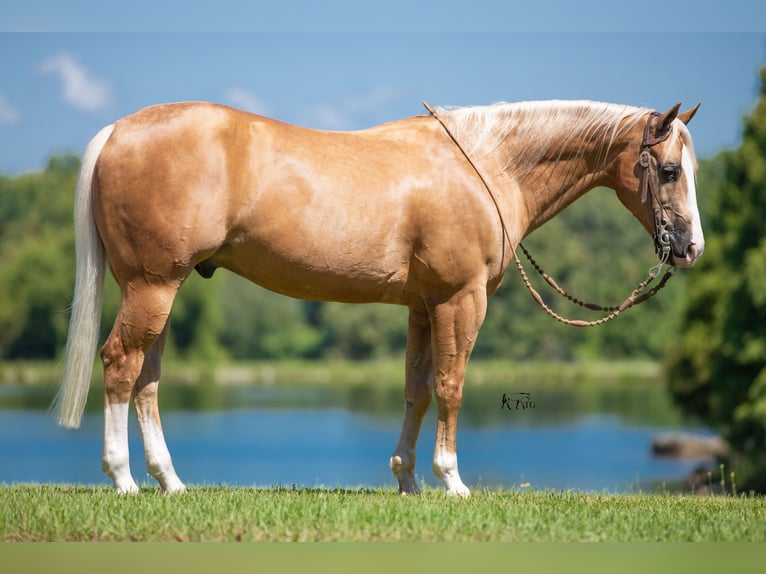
687 166
158 461
445 468
115 459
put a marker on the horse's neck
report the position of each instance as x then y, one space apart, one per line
552 186
558 178
542 156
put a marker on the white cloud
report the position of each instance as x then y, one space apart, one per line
9 115
79 87
246 100
348 112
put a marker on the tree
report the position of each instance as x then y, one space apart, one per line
718 367
260 324
36 273
364 331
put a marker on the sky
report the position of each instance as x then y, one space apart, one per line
344 65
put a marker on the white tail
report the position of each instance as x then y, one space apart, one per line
85 320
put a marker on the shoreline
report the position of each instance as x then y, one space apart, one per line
384 372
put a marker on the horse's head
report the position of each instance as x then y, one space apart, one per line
656 181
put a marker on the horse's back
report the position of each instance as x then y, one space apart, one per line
309 213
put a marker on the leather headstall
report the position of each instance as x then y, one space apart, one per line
649 185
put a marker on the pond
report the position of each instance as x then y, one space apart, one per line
587 440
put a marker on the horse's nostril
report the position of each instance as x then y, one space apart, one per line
693 251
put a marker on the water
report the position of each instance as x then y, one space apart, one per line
343 438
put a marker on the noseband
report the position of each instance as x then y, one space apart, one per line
648 184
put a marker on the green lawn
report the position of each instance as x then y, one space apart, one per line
69 513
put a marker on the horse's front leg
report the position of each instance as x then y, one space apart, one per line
417 396
455 325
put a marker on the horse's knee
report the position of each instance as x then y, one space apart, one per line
449 395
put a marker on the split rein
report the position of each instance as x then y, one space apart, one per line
638 295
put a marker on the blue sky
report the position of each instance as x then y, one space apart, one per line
59 87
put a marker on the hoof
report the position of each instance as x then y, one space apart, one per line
177 488
445 469
169 482
408 489
461 491
405 476
126 487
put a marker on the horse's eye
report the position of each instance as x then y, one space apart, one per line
669 173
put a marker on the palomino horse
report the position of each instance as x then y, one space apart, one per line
400 213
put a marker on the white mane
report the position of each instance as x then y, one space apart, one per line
539 128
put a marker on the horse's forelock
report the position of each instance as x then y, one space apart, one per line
686 138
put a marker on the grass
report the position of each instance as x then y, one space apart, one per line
74 513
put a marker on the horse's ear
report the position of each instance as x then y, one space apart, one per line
687 116
666 119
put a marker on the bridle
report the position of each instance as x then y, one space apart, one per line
661 237
648 184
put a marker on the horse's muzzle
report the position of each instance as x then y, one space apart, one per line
688 256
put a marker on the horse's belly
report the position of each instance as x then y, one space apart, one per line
321 274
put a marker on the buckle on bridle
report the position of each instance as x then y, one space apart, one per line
645 159
662 245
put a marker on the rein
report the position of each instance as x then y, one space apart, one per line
661 240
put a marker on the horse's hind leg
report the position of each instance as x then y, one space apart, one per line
158 461
144 311
417 395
